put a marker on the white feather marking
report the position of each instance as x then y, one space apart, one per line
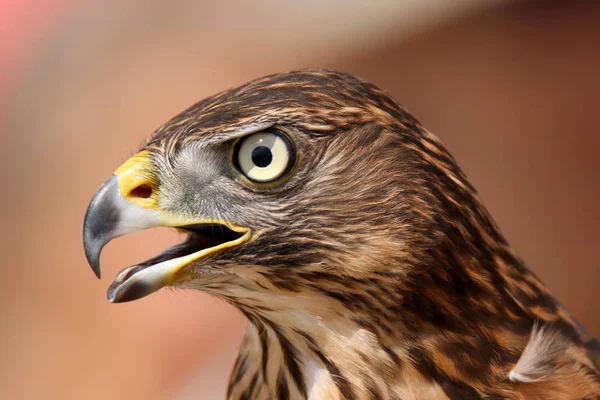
540 356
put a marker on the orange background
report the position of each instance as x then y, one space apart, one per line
512 89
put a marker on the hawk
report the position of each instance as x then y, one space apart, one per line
344 231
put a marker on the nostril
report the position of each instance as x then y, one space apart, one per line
142 192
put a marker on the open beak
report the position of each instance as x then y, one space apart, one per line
127 203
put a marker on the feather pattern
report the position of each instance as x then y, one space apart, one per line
374 270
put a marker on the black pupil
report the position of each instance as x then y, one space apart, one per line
262 156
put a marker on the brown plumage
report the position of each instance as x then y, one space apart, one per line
373 270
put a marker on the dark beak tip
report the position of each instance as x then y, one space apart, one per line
99 223
93 259
97 272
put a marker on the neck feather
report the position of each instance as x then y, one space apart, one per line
422 332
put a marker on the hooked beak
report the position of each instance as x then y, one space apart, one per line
127 203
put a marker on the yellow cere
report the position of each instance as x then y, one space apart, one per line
136 174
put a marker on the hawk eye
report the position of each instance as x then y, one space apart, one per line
264 156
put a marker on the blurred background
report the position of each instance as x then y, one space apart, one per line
511 87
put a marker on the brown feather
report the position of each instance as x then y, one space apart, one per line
376 272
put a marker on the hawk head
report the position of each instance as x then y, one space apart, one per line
340 227
292 183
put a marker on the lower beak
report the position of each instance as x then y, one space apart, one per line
127 203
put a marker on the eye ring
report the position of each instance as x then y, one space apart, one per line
264 156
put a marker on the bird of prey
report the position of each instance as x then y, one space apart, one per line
344 231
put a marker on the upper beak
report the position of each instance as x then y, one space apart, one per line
128 202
